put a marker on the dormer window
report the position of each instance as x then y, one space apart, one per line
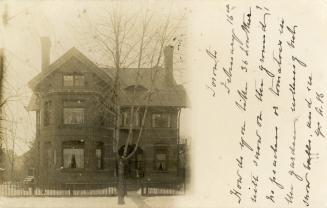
74 80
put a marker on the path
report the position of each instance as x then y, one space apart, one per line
137 199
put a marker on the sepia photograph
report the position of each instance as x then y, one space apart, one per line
159 104
94 104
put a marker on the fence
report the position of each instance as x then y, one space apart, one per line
162 189
19 189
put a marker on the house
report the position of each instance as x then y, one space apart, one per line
75 127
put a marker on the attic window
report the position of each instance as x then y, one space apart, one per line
74 80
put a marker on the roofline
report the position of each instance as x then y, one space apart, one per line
73 52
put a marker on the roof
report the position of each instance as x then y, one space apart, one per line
141 76
164 94
73 52
171 97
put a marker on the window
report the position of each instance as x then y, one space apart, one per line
73 115
68 80
79 80
126 118
47 113
74 80
73 112
139 161
54 157
161 120
161 160
99 155
73 154
48 154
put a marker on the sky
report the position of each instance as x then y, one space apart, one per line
66 23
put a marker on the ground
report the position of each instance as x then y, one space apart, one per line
132 200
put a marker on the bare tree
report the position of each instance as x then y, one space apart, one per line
131 39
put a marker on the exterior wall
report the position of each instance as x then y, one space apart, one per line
158 138
51 137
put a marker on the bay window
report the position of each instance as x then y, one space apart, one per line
73 112
73 115
73 154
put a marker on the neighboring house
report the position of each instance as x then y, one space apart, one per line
74 132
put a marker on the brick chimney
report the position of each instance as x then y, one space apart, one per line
45 52
168 58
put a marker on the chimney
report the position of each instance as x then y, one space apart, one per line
168 58
45 52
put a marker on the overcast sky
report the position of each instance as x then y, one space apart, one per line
61 21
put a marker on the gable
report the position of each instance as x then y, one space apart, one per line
73 61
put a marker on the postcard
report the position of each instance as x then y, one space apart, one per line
163 104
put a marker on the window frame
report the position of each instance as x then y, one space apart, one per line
74 144
74 80
48 154
126 117
73 104
161 150
99 146
161 114
82 110
47 111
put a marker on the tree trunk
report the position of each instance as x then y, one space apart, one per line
121 182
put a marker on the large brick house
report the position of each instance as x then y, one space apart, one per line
74 132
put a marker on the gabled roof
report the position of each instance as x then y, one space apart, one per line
164 94
73 52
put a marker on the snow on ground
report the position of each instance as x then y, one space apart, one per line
160 201
66 202
132 200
